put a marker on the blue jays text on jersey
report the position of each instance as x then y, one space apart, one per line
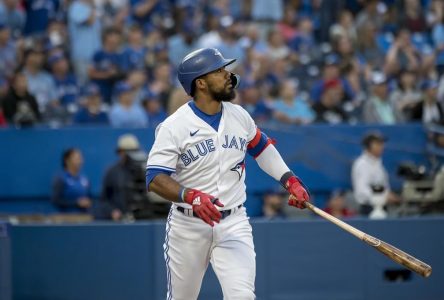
207 146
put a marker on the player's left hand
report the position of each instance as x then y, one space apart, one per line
298 194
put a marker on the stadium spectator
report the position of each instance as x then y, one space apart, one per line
329 109
182 43
211 36
288 26
162 84
144 12
84 28
137 79
369 14
273 205
378 108
344 28
8 52
371 187
92 112
40 83
127 113
406 95
66 82
71 189
331 71
19 106
412 17
154 109
135 51
266 11
38 15
107 64
56 37
402 54
230 45
304 42
429 110
290 107
12 16
437 36
260 110
276 46
113 203
369 51
337 205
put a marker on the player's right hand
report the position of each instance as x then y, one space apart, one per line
204 206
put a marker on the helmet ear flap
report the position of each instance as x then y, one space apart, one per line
235 80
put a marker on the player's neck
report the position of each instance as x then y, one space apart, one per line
208 106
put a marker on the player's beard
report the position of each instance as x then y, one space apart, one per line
225 95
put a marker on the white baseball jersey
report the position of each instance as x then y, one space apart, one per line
201 157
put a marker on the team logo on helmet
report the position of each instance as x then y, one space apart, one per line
239 168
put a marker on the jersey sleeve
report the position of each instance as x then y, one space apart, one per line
165 153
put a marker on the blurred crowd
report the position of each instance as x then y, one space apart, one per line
112 62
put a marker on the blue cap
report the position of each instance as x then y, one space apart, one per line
122 87
91 89
246 84
429 84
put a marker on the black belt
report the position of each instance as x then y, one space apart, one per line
224 213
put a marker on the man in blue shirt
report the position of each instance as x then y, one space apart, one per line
38 15
135 52
91 112
127 113
66 83
85 30
107 64
12 16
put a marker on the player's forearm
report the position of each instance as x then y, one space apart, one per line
271 162
166 187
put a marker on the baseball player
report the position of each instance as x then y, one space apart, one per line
198 162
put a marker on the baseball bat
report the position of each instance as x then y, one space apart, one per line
390 251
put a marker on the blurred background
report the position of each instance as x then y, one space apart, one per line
352 91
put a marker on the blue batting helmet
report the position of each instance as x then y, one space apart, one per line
198 63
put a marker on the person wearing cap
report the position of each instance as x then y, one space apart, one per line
329 109
127 113
331 71
91 112
115 192
371 186
377 107
153 108
429 110
197 162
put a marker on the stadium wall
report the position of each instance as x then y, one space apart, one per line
320 154
295 260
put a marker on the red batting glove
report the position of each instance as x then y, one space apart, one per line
298 194
204 206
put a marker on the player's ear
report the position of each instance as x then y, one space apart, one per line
200 84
